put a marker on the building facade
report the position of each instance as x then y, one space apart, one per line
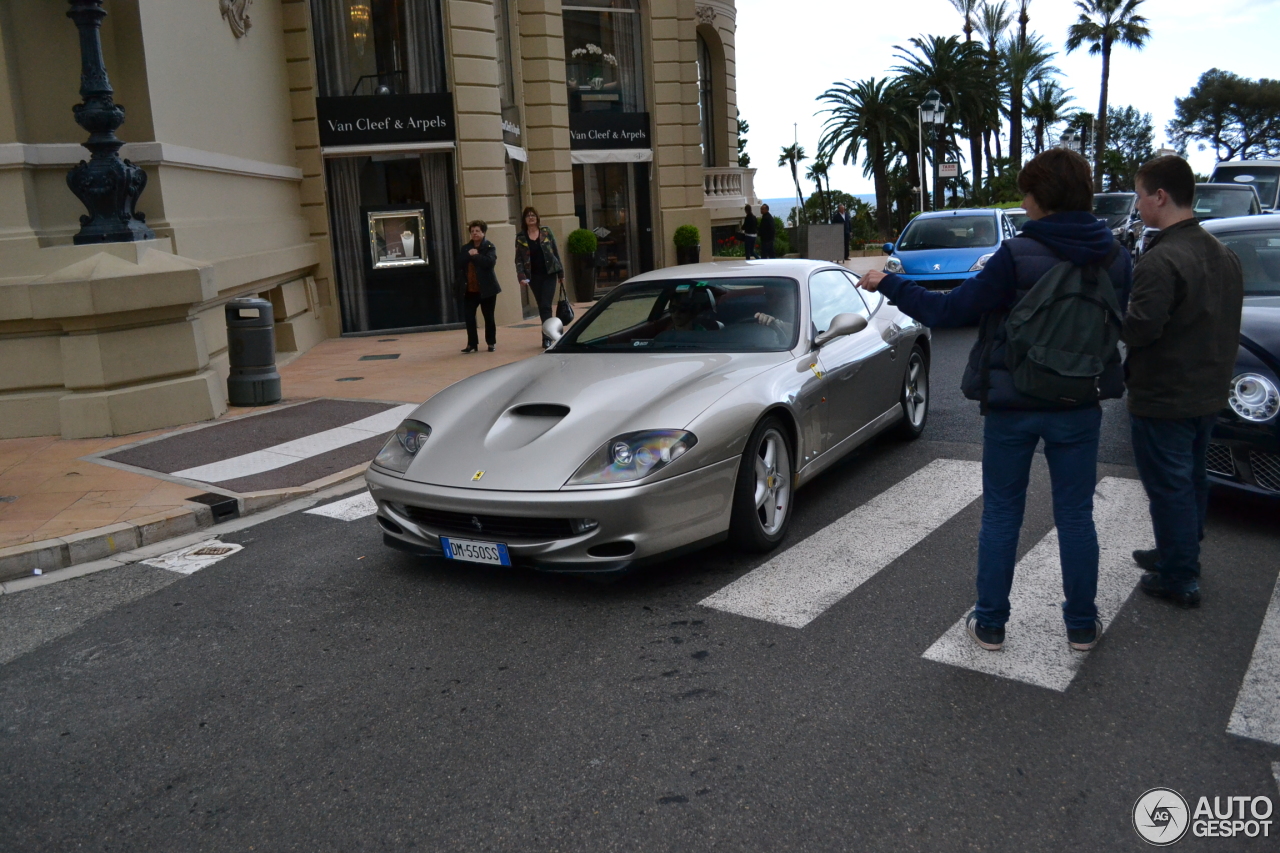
326 155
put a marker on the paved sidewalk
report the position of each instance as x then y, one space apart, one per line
62 504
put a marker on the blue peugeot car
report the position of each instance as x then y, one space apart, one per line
939 250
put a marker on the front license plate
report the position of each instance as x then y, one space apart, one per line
475 552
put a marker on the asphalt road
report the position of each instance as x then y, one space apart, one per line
316 691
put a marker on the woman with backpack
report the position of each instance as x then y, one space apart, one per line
1050 303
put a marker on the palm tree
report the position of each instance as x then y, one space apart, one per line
1022 63
1023 20
1104 23
1046 106
793 155
993 20
868 111
818 173
968 9
962 75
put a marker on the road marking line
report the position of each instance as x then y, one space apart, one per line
268 459
1257 711
348 509
1035 646
193 558
796 586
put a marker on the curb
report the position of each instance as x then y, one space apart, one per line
48 555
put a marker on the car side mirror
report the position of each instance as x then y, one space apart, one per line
553 329
888 248
841 325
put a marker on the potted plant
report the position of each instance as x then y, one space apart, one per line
687 239
582 244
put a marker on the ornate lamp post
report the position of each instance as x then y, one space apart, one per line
108 186
931 111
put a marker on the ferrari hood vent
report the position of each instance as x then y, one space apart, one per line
540 410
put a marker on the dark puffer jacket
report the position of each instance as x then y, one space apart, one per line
987 297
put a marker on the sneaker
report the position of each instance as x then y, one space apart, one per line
1146 559
991 639
1083 639
1186 595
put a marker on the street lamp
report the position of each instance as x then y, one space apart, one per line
931 111
1070 140
107 186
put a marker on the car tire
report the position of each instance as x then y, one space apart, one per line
915 395
764 491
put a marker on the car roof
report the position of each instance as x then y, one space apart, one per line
1265 222
1095 195
797 268
1245 163
938 214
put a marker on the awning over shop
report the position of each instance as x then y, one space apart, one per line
515 152
612 155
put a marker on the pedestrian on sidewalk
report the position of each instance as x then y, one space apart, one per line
749 229
1058 197
478 284
538 264
767 233
842 218
1183 331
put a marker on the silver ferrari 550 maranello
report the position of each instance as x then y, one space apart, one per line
685 408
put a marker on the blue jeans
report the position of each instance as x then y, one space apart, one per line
1071 448
1170 455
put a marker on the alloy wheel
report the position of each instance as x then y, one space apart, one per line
772 481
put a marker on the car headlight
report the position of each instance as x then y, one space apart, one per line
893 265
1118 231
400 449
1254 397
981 262
633 455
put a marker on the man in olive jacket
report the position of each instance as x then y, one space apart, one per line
1182 330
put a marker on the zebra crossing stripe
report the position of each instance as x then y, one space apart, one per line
1035 646
796 586
347 509
1257 711
271 458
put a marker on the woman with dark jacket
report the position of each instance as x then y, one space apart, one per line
478 285
538 264
1058 197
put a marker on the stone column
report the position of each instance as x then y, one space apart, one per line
546 117
677 135
481 155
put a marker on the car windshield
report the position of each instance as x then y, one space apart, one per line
1217 202
949 232
1017 218
1112 205
1264 179
1259 254
708 315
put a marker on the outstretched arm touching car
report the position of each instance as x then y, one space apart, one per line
987 291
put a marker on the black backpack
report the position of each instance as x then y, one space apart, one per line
1062 335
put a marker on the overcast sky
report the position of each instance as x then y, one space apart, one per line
789 53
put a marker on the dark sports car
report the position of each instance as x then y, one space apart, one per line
1244 452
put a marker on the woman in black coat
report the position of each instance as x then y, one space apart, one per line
478 285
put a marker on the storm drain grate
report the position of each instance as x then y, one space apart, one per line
524 325
213 551
388 357
349 379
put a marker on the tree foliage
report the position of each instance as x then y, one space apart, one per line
744 159
1103 24
1130 143
1235 116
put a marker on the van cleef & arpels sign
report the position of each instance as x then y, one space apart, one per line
602 130
385 119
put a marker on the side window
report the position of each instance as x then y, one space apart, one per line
873 299
830 293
